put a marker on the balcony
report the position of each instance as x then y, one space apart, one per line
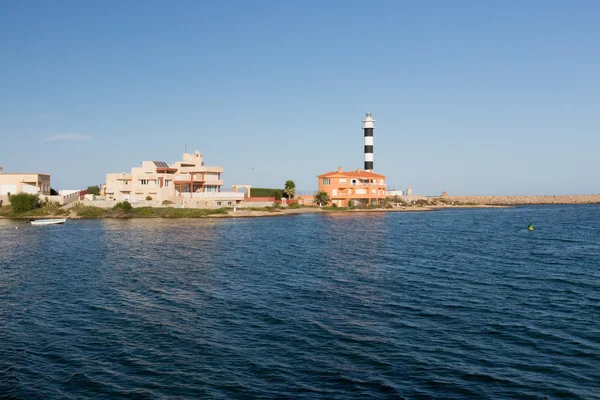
188 178
213 195
361 184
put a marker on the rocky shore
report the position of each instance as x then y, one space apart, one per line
520 200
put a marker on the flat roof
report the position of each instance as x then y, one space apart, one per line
22 173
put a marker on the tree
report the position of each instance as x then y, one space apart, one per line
322 198
290 189
93 190
53 192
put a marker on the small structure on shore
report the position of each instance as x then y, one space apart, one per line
247 187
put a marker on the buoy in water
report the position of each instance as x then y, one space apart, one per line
530 227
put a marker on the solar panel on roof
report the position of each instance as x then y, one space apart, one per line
161 164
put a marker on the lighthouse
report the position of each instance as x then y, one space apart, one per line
368 126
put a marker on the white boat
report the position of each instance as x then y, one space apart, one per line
54 221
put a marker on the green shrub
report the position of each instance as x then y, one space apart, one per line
266 192
334 205
89 212
187 212
148 198
125 206
167 203
50 205
24 202
170 212
144 212
294 205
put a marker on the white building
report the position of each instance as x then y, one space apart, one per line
187 183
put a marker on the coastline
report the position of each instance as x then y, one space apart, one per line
527 200
429 205
247 213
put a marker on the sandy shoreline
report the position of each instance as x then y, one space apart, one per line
242 213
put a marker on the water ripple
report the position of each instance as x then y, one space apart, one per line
448 305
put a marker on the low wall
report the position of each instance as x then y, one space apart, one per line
517 200
285 202
307 200
112 203
181 203
255 204
62 199
210 203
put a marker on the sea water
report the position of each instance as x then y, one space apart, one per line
447 305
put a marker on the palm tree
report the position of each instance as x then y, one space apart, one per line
290 189
322 198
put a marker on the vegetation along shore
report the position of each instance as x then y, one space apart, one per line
24 207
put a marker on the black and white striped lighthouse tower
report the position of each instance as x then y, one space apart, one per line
368 126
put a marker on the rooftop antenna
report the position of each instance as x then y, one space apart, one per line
185 148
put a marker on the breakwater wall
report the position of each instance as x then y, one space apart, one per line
517 200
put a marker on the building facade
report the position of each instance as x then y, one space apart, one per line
188 183
32 183
353 187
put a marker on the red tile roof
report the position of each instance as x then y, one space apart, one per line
356 174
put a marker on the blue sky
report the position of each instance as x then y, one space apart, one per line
472 97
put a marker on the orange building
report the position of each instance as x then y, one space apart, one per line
353 188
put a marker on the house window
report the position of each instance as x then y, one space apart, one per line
342 180
326 181
143 181
218 203
229 203
167 182
211 188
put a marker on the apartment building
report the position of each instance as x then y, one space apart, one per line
353 187
188 182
